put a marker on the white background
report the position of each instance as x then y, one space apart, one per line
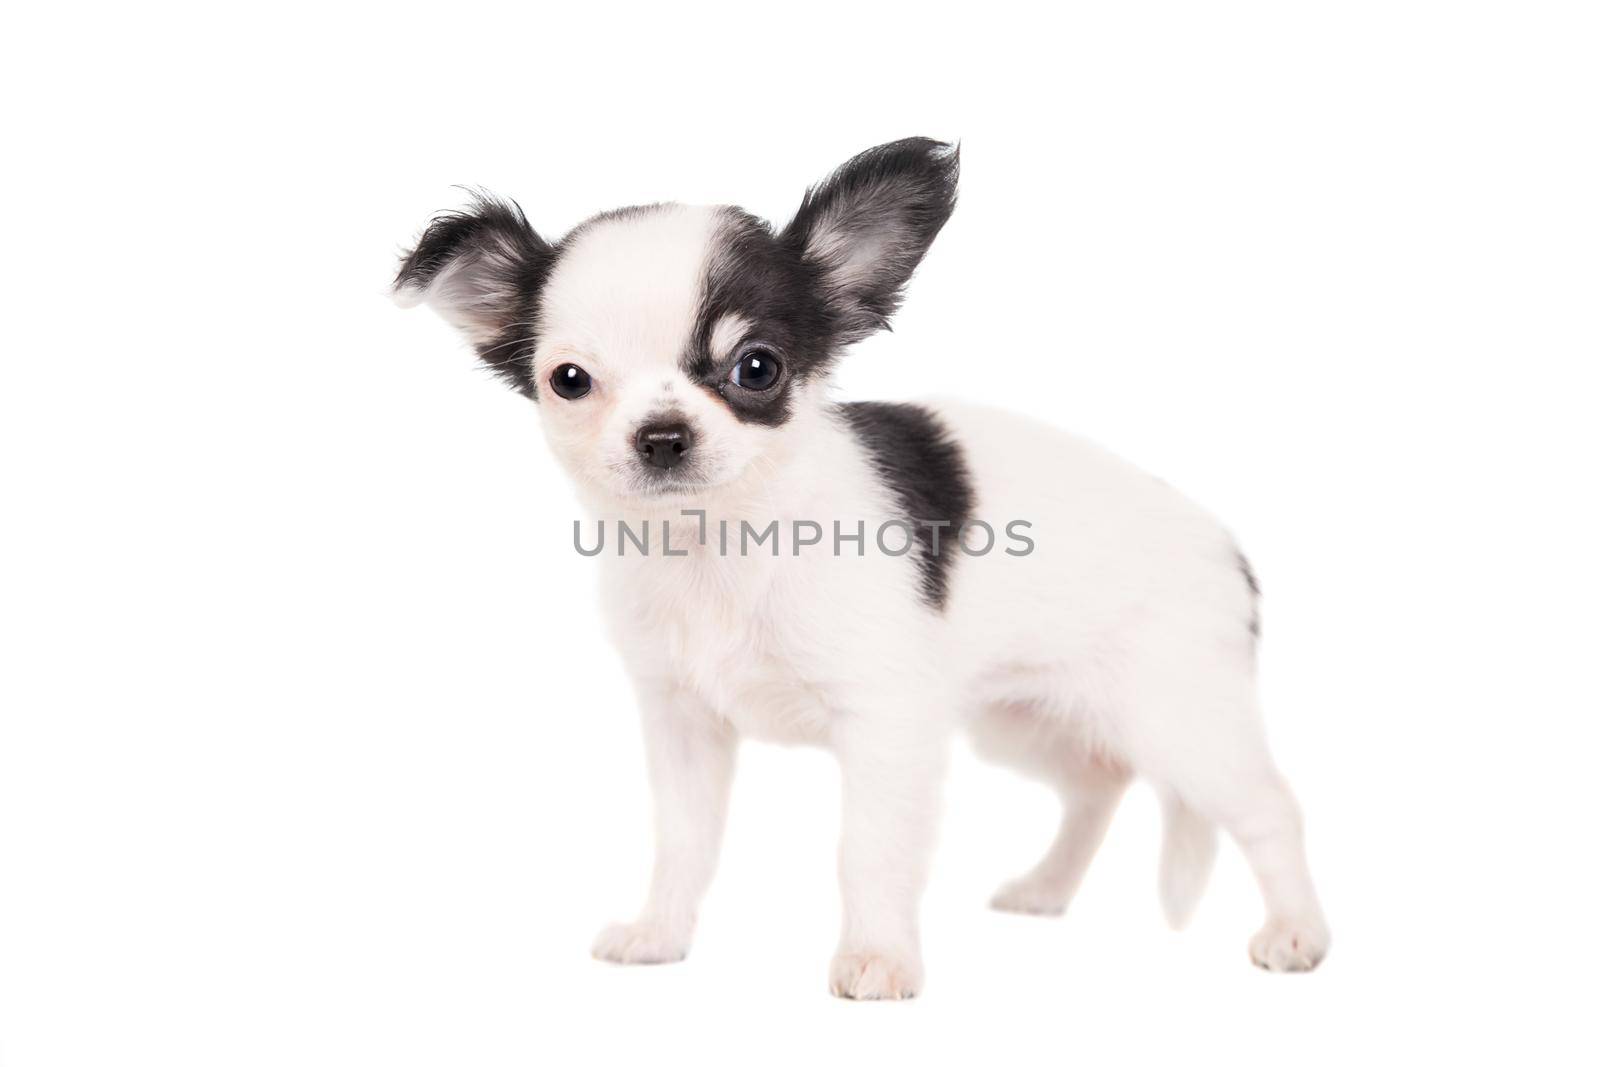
312 750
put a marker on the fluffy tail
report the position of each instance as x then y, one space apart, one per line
1188 849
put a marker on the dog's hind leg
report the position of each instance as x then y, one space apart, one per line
1090 792
1202 741
1295 937
1033 740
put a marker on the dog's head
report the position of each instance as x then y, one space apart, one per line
671 347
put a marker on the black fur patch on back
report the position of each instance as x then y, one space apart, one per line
923 467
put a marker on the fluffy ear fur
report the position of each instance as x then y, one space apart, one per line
866 227
482 268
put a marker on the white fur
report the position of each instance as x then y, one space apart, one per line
621 304
1119 647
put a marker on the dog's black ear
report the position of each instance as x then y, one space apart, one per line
482 269
865 228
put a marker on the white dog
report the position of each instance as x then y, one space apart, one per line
867 576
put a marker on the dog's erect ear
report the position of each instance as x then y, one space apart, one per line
482 268
867 226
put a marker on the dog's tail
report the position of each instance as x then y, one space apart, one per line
1188 849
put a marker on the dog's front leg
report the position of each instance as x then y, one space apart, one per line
892 759
690 755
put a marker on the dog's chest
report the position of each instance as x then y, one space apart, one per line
727 634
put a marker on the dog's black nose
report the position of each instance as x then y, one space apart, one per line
665 444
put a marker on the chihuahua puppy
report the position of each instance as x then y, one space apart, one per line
680 359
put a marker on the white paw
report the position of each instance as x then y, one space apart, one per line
640 942
1028 896
1290 944
871 975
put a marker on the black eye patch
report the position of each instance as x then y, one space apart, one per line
787 335
753 382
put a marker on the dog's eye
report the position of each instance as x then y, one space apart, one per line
757 369
570 381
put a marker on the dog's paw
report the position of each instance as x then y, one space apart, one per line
640 942
1290 944
874 975
1029 896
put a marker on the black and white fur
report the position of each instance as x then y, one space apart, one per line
1123 644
